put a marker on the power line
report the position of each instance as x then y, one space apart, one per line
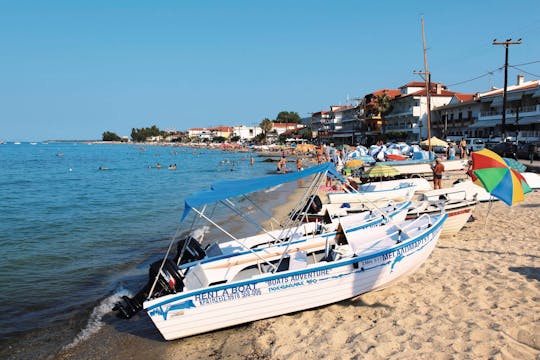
477 77
527 63
526 72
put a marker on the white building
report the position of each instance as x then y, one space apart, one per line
409 109
246 132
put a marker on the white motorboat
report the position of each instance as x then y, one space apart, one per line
184 298
460 190
399 193
420 183
458 211
532 179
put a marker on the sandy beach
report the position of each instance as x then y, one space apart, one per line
476 297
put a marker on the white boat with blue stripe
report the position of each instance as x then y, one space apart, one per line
188 296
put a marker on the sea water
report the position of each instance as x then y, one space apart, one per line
79 221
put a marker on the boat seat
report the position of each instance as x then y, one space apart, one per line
298 260
195 278
213 250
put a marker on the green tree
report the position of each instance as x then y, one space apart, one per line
140 135
110 136
266 125
235 138
288 117
383 105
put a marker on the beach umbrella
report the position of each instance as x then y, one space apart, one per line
435 141
381 170
514 164
498 178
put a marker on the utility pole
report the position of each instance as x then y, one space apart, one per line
506 44
428 87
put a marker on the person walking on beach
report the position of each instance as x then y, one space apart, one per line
438 170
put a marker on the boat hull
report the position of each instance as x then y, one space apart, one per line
457 218
274 294
397 194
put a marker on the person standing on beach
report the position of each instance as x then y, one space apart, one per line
532 150
438 171
319 155
463 148
451 152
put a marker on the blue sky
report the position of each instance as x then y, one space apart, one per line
74 69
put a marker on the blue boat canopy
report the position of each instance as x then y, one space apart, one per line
230 188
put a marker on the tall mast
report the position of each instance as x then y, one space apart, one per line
428 86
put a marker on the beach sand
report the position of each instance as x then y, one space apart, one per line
476 297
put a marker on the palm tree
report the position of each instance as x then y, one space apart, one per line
266 125
383 105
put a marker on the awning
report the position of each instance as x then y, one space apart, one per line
528 120
497 101
513 96
536 94
343 135
230 188
485 123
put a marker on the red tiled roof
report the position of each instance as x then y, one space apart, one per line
527 85
432 93
222 128
334 108
465 97
284 125
391 93
414 84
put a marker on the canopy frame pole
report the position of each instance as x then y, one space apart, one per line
290 239
228 203
163 264
232 237
185 243
312 190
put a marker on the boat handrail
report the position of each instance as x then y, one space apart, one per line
445 194
413 222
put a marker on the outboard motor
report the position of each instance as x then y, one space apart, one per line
169 282
190 250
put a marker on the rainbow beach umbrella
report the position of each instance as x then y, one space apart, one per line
498 178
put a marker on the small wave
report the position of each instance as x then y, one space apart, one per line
272 188
94 322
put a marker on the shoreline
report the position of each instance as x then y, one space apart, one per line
477 295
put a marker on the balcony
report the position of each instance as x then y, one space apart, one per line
524 111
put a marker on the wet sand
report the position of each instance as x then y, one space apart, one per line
476 297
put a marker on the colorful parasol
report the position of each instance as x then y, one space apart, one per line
355 163
381 170
514 164
498 178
